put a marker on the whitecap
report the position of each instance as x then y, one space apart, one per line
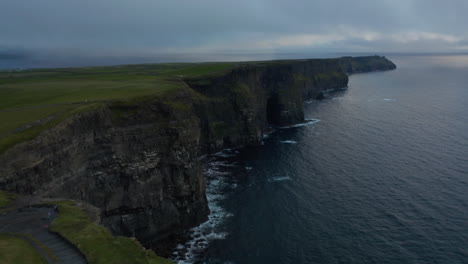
180 246
268 134
222 164
392 100
308 122
217 172
288 142
279 178
200 236
223 154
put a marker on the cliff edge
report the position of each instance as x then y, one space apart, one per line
138 161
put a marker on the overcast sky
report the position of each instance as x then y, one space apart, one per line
140 27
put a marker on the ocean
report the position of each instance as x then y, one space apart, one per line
378 175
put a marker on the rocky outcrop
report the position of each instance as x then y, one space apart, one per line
139 162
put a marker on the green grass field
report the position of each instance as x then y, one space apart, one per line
15 250
33 100
97 242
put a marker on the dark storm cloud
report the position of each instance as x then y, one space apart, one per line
151 26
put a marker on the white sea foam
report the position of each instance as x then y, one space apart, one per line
279 178
224 154
201 235
222 164
308 122
329 91
392 100
248 168
267 135
288 142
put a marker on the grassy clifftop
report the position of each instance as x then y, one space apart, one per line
96 242
34 100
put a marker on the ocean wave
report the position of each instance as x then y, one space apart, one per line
222 164
308 122
226 153
268 134
279 178
200 236
288 142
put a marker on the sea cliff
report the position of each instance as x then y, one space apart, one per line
139 162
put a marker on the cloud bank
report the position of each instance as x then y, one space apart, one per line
139 27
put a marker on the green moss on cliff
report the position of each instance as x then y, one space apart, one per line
221 129
300 78
241 95
6 198
96 242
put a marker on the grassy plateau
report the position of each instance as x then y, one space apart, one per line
34 100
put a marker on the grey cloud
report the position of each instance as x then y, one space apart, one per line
149 26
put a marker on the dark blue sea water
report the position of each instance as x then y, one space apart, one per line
382 178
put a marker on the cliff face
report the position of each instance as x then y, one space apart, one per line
139 162
365 64
141 168
237 107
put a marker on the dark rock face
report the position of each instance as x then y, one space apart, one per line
237 107
365 64
140 163
142 170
